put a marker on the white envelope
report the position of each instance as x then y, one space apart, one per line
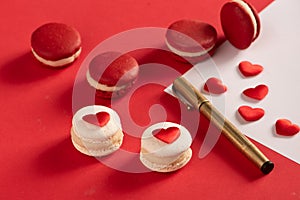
276 49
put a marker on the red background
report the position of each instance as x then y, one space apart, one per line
38 160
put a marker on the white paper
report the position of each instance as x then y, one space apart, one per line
277 50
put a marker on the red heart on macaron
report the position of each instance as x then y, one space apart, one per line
286 127
251 114
258 93
99 119
249 69
215 86
168 135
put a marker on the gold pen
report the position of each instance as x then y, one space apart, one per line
190 95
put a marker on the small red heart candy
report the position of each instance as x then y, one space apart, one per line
168 135
258 93
99 119
215 86
249 69
286 128
251 114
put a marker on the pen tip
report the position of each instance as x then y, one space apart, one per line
267 167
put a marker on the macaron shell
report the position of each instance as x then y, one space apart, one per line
55 41
113 68
191 35
238 26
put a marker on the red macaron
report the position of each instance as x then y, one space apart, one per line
112 74
56 44
191 40
240 23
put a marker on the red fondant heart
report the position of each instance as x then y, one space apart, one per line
168 135
249 69
214 86
286 128
99 119
258 93
251 114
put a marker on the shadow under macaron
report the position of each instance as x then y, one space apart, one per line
25 69
61 157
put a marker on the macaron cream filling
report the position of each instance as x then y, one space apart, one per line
57 63
102 87
247 8
188 54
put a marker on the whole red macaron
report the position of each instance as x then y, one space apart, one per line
112 74
240 23
56 44
192 40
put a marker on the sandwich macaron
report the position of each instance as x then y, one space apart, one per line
112 74
240 23
165 147
56 44
96 130
191 40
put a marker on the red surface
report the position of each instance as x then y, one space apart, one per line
38 160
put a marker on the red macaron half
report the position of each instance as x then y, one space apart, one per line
56 44
192 40
240 23
112 74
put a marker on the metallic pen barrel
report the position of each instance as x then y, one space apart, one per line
190 95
